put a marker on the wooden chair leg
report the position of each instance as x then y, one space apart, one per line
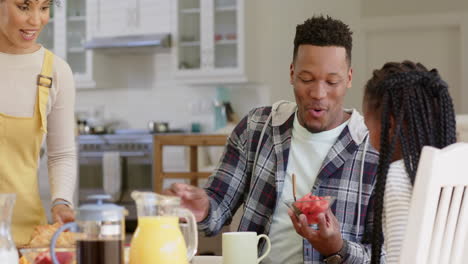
194 165
158 167
191 141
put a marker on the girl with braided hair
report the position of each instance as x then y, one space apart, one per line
406 107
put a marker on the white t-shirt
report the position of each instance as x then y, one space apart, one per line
18 92
306 155
397 201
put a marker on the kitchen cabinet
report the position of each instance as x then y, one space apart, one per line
154 16
65 35
128 17
209 41
47 36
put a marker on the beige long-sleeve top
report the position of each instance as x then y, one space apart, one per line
397 202
18 91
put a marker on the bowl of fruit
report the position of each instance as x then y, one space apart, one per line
42 255
310 206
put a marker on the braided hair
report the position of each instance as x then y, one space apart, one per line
419 102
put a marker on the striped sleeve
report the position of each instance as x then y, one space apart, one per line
397 200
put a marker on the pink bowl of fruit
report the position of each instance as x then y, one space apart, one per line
42 255
311 206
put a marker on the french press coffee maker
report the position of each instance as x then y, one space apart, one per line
99 229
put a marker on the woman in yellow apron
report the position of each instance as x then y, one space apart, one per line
36 105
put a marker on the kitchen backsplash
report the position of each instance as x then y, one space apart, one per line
145 90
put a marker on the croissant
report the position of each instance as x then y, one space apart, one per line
42 235
23 260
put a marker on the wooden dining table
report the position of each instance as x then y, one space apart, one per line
207 260
195 260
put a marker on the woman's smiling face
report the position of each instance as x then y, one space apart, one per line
21 21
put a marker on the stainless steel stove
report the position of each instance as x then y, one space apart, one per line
116 164
129 145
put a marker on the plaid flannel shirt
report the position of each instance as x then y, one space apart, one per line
235 181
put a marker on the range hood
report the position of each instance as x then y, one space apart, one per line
131 41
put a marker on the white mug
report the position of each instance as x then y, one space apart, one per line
241 247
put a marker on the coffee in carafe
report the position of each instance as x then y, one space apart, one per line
102 252
99 231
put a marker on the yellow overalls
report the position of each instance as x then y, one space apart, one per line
20 143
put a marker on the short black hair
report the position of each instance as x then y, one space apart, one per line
324 31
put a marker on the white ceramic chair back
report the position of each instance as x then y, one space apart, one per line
437 230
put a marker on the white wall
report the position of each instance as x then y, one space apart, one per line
436 40
279 18
432 32
143 89
434 47
445 43
375 8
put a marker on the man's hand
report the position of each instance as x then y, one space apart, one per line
327 240
193 198
62 214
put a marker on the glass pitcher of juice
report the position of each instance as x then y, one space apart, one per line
158 238
8 252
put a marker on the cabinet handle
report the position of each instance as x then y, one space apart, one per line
137 13
99 15
210 61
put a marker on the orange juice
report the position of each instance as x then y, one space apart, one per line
158 240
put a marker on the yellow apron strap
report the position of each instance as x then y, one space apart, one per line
44 83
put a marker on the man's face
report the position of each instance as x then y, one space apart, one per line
320 76
21 21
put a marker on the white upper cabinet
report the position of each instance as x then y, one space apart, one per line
209 41
65 35
114 18
154 16
80 60
110 18
47 36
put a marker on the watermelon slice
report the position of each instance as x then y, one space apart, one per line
62 257
310 205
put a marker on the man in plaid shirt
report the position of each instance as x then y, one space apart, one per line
323 144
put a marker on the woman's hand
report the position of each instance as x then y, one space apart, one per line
62 214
